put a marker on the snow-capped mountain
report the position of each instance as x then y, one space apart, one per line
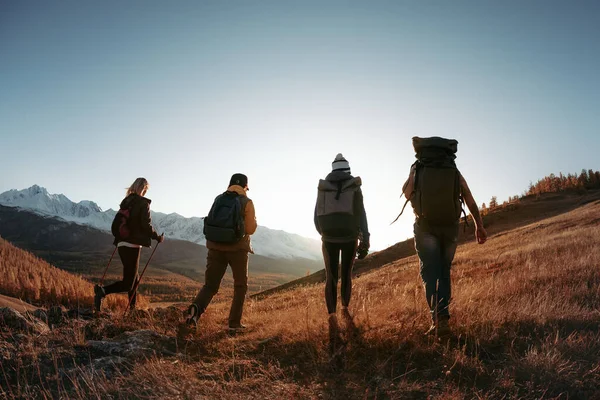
266 242
39 200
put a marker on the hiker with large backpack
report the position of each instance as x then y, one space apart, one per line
341 220
132 229
227 229
437 190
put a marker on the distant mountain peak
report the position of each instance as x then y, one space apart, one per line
90 204
35 189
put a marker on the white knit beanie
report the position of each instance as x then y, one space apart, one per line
340 164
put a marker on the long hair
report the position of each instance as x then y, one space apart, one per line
138 186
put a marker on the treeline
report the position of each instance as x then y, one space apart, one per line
31 279
586 180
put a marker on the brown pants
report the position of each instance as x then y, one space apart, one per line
216 265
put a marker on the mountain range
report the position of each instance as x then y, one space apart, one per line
266 242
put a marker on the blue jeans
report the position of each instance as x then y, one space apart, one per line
436 247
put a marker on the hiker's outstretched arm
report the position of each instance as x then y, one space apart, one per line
480 232
470 201
363 225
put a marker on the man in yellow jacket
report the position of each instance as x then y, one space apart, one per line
227 229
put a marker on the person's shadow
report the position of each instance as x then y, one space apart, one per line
339 338
336 344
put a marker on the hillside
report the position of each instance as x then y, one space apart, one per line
528 210
25 277
524 315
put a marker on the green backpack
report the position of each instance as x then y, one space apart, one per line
436 197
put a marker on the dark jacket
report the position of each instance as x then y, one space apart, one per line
139 222
340 228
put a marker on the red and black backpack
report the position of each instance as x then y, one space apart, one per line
120 225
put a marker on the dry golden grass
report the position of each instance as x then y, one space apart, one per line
525 316
33 280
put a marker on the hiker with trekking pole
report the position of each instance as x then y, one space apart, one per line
437 192
227 229
132 229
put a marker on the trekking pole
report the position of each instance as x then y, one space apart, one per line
107 265
135 287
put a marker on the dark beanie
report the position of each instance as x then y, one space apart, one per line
238 179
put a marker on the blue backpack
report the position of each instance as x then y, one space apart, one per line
225 221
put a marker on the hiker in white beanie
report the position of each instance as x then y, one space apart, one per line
341 220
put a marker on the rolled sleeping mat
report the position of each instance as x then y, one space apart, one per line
448 145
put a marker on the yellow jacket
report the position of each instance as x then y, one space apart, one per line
249 222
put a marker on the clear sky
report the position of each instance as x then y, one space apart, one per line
94 94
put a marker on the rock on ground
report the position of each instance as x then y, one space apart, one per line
13 321
136 344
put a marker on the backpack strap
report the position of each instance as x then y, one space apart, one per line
243 202
462 205
339 190
418 166
403 207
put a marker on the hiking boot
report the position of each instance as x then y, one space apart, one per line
237 328
352 329
132 301
334 328
335 338
441 330
346 314
99 294
192 315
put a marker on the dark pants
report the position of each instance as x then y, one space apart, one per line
216 265
436 247
331 256
130 257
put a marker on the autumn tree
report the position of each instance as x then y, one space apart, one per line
587 179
